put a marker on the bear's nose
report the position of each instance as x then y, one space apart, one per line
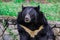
26 18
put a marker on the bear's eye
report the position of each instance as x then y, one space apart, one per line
32 15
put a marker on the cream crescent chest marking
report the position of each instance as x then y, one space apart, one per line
30 32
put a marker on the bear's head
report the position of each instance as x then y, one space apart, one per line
31 15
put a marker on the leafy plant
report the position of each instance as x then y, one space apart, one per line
51 11
18 1
9 31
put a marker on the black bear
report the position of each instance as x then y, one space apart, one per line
32 24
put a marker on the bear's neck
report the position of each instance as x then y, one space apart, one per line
31 26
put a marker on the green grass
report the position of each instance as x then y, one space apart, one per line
53 1
51 11
9 9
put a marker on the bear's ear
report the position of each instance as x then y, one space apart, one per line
37 8
23 7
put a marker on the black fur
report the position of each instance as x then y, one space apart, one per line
38 20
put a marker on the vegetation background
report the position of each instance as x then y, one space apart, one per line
51 8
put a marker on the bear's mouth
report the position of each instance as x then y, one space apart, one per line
27 20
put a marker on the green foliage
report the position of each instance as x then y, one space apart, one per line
51 11
53 1
9 9
0 0
18 1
